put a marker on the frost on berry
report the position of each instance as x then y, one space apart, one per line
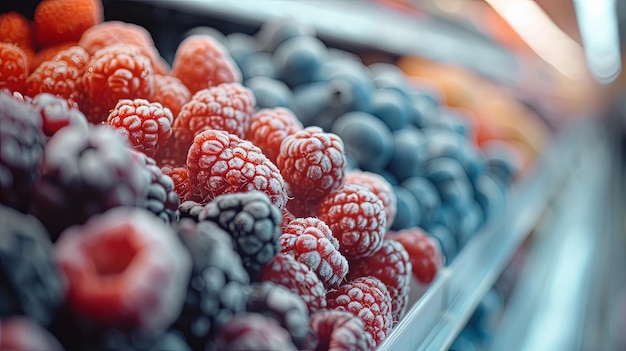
379 186
269 127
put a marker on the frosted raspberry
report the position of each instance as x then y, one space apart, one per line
222 163
297 277
367 298
287 217
339 331
61 76
170 92
253 331
16 29
424 252
60 21
311 242
202 62
57 113
379 186
357 218
145 125
182 184
228 107
13 68
269 127
48 53
392 266
174 152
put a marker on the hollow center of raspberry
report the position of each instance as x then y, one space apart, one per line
113 255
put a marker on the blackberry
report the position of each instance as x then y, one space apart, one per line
217 288
30 283
84 174
162 200
21 150
190 209
286 307
254 224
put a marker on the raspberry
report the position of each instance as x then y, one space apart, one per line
180 177
228 107
174 152
379 186
367 298
84 174
59 21
278 302
113 73
21 152
61 76
16 29
161 200
124 269
116 32
357 218
339 331
287 217
30 283
252 331
297 277
202 62
24 334
311 242
424 252
13 68
171 92
222 163
312 163
391 265
269 127
145 125
48 53
254 224
57 113
217 287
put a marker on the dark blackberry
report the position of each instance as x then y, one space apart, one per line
190 209
286 307
162 200
84 174
254 224
252 331
217 288
30 283
21 150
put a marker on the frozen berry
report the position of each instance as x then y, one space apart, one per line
269 127
276 31
170 92
222 163
296 276
228 107
21 152
24 334
287 217
57 113
118 71
16 29
124 269
145 125
298 58
392 266
252 331
30 283
379 186
174 152
424 253
190 209
54 25
202 62
136 340
252 221
368 298
270 92
217 287
161 199
14 68
86 173
180 177
339 331
48 53
311 242
392 107
357 218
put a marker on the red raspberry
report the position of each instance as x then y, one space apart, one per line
202 62
253 331
392 266
182 184
16 29
57 113
48 53
171 92
174 152
60 21
24 334
116 32
339 331
367 298
222 163
313 164
125 269
379 186
13 68
297 277
114 73
60 76
287 217
424 253
311 242
145 125
228 107
357 218
269 127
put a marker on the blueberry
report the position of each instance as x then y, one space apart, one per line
424 108
258 64
474 161
275 32
489 306
450 180
270 92
490 195
502 161
448 216
365 138
453 120
351 82
310 105
471 217
426 195
446 240
465 341
391 107
441 142
408 210
298 58
408 154
389 76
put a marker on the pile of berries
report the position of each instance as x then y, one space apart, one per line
150 207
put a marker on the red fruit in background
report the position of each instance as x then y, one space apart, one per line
339 331
13 68
61 21
19 333
269 127
253 331
16 29
379 186
170 92
57 113
424 253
